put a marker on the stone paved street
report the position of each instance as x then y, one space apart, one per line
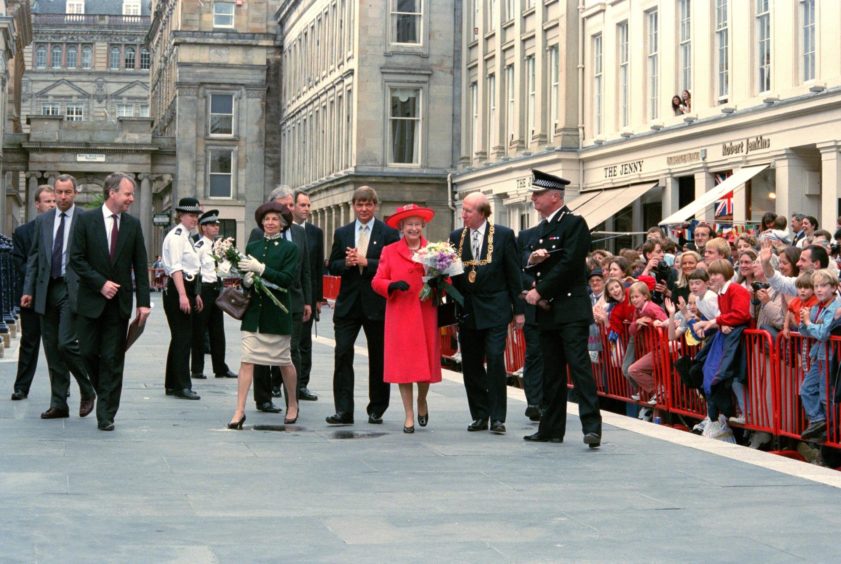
171 484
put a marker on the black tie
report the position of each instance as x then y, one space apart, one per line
58 249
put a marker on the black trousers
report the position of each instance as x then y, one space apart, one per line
209 320
30 346
103 347
268 377
533 366
305 347
346 330
181 330
485 386
61 347
562 348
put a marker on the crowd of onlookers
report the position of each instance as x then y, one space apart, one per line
707 290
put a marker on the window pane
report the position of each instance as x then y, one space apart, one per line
220 173
221 114
222 104
223 14
115 58
41 57
72 52
145 59
55 60
407 20
129 56
87 57
404 125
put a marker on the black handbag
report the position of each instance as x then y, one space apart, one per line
233 301
447 312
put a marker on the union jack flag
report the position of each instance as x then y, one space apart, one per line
724 206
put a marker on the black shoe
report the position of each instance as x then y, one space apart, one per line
18 395
498 428
593 440
268 407
198 376
423 420
478 425
340 418
375 419
237 425
533 413
187 394
814 430
276 392
105 425
540 438
56 413
226 374
409 430
306 395
170 392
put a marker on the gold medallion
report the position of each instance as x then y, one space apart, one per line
471 276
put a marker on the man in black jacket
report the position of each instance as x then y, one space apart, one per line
315 246
491 287
560 269
355 256
30 322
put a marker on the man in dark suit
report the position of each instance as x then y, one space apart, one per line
355 256
491 286
559 262
533 366
107 249
315 244
267 380
30 322
50 288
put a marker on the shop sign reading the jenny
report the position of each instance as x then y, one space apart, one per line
623 169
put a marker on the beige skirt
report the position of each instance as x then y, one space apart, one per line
265 349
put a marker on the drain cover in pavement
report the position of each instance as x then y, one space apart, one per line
355 435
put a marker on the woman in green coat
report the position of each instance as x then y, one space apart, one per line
266 329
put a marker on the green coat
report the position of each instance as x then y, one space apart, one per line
281 258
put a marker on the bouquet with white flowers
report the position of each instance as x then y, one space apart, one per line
439 260
227 256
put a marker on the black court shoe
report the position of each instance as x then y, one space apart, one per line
237 425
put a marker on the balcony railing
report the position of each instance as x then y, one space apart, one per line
113 21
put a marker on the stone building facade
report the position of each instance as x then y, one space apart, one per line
369 96
15 35
214 67
764 80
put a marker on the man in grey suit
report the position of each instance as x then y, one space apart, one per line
51 286
267 380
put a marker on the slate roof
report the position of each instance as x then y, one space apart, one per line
92 7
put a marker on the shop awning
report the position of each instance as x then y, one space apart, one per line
736 180
608 203
581 199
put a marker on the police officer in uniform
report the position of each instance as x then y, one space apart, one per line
564 314
182 297
209 320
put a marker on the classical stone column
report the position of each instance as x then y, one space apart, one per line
51 176
703 184
30 193
145 210
830 184
671 196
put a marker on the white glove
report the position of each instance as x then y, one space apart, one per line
248 279
251 264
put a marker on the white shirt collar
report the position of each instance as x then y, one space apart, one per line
106 213
553 214
481 228
724 288
370 225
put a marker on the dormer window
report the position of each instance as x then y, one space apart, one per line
131 7
75 7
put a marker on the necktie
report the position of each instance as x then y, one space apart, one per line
58 249
477 245
362 244
115 232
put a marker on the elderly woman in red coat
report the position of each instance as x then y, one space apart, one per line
412 341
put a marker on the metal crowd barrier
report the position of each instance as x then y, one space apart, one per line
8 311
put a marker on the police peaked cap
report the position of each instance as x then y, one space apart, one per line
541 181
209 217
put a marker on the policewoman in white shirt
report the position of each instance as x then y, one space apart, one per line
182 297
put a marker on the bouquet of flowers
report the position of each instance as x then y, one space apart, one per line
439 260
227 256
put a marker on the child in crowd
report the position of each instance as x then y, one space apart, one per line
805 299
646 312
726 363
706 299
816 323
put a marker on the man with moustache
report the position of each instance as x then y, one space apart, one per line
491 286
109 254
315 246
30 323
267 380
559 261
50 288
355 256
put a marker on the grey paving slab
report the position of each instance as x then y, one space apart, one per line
171 484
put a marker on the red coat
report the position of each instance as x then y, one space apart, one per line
412 339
